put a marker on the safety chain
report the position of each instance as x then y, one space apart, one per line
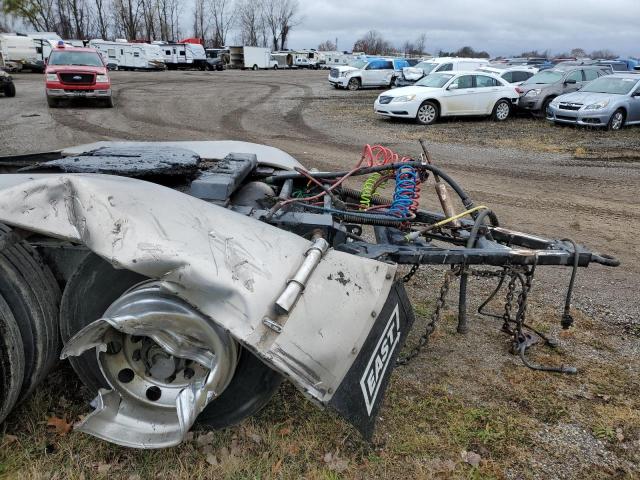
435 318
411 273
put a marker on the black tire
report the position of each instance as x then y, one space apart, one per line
254 68
95 285
32 294
616 122
428 113
52 102
545 106
275 67
11 360
10 90
501 110
108 102
354 84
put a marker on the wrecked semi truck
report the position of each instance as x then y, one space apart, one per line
185 280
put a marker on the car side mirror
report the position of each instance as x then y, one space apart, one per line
570 81
453 86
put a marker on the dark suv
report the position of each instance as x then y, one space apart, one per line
538 91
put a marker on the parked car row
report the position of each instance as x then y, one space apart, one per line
572 94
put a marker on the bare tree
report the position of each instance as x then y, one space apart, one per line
280 17
327 46
222 16
372 43
421 44
251 23
604 54
578 53
201 17
101 18
168 19
40 14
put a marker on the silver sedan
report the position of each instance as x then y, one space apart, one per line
612 101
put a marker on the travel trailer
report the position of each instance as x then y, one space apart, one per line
183 55
18 52
129 56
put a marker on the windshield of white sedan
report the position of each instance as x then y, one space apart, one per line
619 86
84 59
359 64
426 67
435 80
544 77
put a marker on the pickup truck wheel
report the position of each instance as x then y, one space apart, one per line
354 84
32 295
10 90
616 122
108 102
11 360
96 285
427 113
52 102
501 111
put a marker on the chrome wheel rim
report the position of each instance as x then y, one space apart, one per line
427 113
502 112
616 121
353 85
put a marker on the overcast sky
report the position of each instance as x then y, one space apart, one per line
501 27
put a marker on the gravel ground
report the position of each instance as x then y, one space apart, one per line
554 181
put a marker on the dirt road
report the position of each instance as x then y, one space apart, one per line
538 178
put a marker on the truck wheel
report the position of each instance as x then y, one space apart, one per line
11 360
32 295
108 102
354 84
52 102
88 294
10 90
275 67
616 122
255 67
501 111
427 113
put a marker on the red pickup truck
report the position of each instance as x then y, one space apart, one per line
76 73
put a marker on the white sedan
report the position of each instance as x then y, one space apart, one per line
449 94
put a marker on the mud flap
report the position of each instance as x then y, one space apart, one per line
359 396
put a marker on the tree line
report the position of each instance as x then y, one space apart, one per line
256 22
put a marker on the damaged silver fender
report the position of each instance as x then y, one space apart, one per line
226 271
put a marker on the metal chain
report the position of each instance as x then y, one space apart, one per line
411 273
435 318
508 303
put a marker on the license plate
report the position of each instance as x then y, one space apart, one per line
79 94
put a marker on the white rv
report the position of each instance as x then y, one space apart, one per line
183 55
307 59
251 57
19 52
129 56
332 59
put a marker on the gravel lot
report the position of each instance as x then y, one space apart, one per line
555 181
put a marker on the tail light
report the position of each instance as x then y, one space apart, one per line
519 91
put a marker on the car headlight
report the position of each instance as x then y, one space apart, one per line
52 77
597 106
403 98
533 93
343 74
102 79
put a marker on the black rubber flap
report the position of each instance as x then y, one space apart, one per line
128 161
359 396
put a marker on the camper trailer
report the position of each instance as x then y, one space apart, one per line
19 52
306 59
251 57
129 56
44 43
183 55
332 59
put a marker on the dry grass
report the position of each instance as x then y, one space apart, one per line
462 394
523 132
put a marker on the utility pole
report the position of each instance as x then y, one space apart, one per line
337 49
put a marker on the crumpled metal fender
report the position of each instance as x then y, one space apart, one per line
232 268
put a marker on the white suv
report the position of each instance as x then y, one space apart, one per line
379 72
